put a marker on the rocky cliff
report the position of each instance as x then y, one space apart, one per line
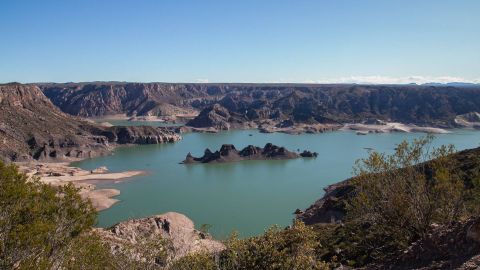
133 99
327 104
31 127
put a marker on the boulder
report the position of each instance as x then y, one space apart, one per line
307 153
178 229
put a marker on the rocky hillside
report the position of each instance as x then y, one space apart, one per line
31 127
331 207
422 105
133 99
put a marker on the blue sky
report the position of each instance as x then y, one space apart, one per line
240 41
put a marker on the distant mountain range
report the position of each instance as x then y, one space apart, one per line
457 84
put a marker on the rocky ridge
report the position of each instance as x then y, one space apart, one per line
228 153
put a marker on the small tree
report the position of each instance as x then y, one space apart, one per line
404 194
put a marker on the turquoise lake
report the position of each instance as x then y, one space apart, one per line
247 196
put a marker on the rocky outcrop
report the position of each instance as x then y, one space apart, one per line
331 207
228 153
217 117
214 116
178 230
307 153
31 127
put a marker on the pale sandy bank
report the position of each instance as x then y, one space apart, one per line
58 174
392 127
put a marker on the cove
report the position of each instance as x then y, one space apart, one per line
247 196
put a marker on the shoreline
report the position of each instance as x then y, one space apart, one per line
299 129
167 119
393 127
293 128
62 173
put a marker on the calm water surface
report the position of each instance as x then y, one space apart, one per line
247 196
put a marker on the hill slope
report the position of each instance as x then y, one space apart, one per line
31 127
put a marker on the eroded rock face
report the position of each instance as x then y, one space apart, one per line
307 104
140 135
228 153
133 99
31 127
215 116
176 228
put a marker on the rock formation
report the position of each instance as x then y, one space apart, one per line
176 228
214 116
426 105
31 127
307 153
228 153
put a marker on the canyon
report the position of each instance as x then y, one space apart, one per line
225 106
37 134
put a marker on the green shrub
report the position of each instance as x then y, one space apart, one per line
405 193
38 222
293 248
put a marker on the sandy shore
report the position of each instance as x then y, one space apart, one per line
58 174
392 127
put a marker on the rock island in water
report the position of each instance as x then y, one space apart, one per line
228 153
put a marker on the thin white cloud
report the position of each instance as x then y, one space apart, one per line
376 79
201 80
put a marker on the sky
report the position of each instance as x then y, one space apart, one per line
302 41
